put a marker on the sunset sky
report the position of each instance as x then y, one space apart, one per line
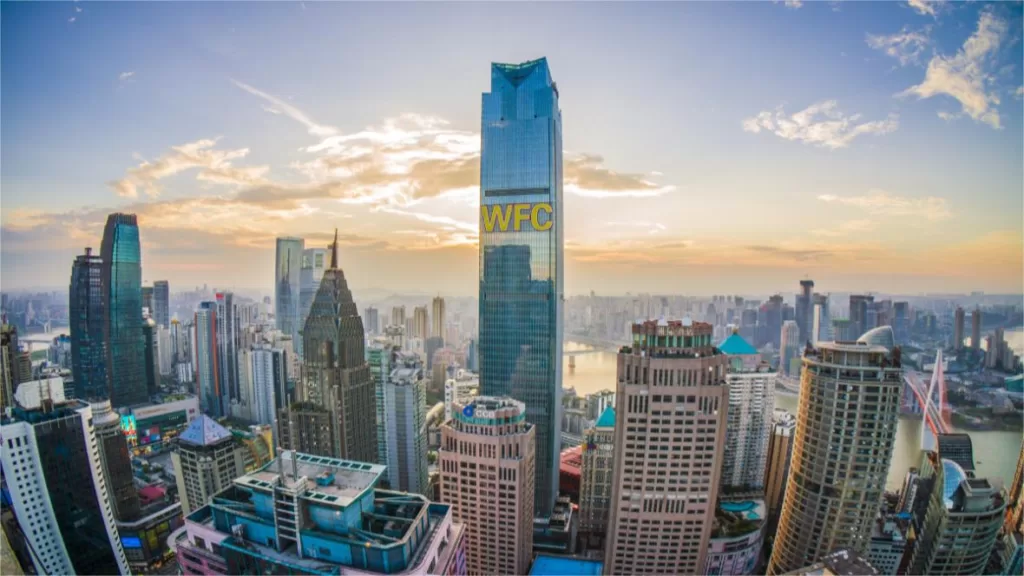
709 147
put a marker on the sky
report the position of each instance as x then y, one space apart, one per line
709 147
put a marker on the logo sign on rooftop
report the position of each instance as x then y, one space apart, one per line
468 411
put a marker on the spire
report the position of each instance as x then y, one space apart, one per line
334 251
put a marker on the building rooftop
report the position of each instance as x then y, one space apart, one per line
735 345
330 481
839 563
571 460
881 336
204 431
607 418
548 565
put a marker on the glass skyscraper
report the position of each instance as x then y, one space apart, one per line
86 317
286 287
521 255
122 329
161 303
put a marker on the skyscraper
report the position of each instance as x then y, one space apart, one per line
805 310
405 399
378 356
486 463
976 318
147 300
162 303
751 403
849 406
521 243
270 383
9 372
57 490
227 349
821 330
398 316
122 327
780 451
115 462
151 356
206 461
860 305
437 318
372 316
207 366
596 473
789 348
287 286
314 262
335 374
958 328
420 324
667 478
86 315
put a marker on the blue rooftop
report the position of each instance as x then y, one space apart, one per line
607 419
204 431
735 345
545 565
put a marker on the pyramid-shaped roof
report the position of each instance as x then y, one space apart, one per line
735 345
204 431
607 419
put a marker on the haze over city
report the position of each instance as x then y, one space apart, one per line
878 148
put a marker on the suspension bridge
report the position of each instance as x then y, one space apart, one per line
931 399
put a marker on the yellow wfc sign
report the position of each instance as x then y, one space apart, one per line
502 216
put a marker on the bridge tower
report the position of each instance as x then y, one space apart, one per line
935 399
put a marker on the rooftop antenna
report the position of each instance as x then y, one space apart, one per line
334 251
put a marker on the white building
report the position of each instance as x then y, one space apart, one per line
751 404
459 390
165 351
270 384
405 403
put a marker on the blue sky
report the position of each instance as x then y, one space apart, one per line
711 147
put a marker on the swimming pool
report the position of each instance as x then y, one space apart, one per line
740 507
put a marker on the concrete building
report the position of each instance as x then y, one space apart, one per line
596 476
371 320
840 562
804 310
115 461
958 328
888 544
405 399
777 462
269 373
670 425
54 478
308 514
486 464
378 356
789 348
460 389
737 538
751 403
437 319
307 428
161 303
850 397
398 316
207 460
420 323
976 318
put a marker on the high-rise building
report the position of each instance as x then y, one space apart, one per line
269 383
667 478
596 472
398 316
438 318
486 463
850 398
162 303
115 461
122 327
86 316
405 400
9 373
227 348
976 318
57 490
306 427
151 358
521 245
958 328
780 451
335 374
165 351
860 305
207 459
749 424
901 321
378 356
372 319
888 543
430 348
287 286
147 301
1015 503
307 514
804 310
789 348
420 323
314 262
207 366
821 325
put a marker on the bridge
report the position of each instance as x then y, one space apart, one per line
932 400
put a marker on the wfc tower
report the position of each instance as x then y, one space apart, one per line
521 255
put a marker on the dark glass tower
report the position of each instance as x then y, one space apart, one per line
521 243
122 328
161 303
86 315
335 373
227 347
287 287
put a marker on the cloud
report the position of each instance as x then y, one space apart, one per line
123 76
586 175
845 228
964 75
925 7
215 167
78 8
880 202
794 4
72 20
821 124
905 45
291 111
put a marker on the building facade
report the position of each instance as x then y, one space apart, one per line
671 405
888 544
486 464
86 317
207 460
306 427
780 451
207 363
850 398
122 328
751 403
115 461
521 244
162 303
420 323
959 318
314 262
378 356
437 319
596 473
287 286
405 399
227 349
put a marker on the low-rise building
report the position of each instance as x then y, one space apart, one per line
888 542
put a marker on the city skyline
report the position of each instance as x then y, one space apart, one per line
274 152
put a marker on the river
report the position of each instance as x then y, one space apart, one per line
995 452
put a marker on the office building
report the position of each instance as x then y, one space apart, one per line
307 514
398 316
596 473
667 485
335 374
287 286
438 318
850 398
149 427
790 348
306 427
165 351
976 318
888 543
486 464
459 388
86 318
420 323
151 358
780 451
207 459
207 365
860 306
314 262
405 399
227 348
901 322
269 371
162 303
115 461
749 422
122 328
372 320
843 330
958 328
957 519
804 310
521 245
821 325
378 356
147 301
51 466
